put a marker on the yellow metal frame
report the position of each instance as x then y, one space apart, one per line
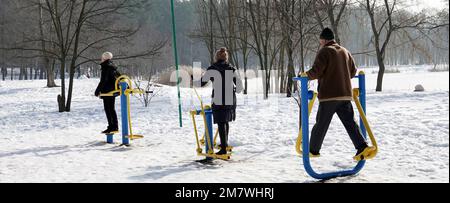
298 144
372 153
201 142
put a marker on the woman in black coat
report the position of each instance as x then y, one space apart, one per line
226 83
106 85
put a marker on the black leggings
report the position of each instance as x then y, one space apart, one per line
224 129
110 109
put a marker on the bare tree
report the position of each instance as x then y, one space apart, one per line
45 57
206 29
262 24
243 38
386 18
150 89
333 10
81 27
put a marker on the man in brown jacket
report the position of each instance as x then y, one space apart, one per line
334 67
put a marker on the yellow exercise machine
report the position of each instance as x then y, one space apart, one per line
208 141
124 88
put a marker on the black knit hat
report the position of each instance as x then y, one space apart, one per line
327 34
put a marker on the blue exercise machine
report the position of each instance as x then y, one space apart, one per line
359 97
124 90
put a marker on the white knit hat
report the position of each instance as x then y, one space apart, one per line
107 56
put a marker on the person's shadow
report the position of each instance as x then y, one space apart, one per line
158 172
59 150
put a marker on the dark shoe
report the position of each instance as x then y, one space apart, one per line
107 131
222 152
360 151
314 155
114 130
365 153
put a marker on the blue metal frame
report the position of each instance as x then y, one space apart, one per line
305 97
124 113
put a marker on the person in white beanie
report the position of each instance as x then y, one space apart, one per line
106 85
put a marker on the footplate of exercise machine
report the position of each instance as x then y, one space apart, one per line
216 146
215 156
229 148
134 137
368 154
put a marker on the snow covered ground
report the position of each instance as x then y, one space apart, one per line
38 144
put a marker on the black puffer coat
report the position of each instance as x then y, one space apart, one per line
108 78
226 83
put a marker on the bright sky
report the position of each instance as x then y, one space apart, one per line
417 5
429 3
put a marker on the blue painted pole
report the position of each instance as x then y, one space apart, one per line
362 99
305 121
110 138
209 121
124 113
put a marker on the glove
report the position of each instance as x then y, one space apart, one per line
97 93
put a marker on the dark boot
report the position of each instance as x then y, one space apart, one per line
114 130
365 153
107 131
314 154
222 151
361 150
223 139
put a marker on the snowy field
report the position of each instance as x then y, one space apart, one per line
38 144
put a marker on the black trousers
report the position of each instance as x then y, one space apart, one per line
109 104
344 110
224 129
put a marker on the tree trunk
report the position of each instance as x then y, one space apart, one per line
79 72
211 27
36 73
69 93
31 73
41 73
21 73
290 73
4 73
50 68
245 75
74 59
281 72
381 71
62 96
245 61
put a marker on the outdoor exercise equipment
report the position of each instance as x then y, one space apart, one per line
124 88
307 102
208 141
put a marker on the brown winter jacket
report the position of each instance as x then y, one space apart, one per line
334 67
